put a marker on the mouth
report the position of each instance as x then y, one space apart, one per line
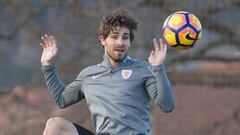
119 50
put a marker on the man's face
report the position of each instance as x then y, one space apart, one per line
116 44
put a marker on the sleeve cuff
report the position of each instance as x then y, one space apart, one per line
47 67
160 67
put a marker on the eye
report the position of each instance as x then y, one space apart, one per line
125 37
114 36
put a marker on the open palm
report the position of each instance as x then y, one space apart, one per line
158 55
49 49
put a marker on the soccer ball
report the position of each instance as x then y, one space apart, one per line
182 30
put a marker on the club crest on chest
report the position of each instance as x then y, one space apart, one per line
126 73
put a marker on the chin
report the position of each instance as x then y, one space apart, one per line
117 59
120 57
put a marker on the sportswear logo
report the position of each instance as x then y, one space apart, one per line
126 73
94 77
188 36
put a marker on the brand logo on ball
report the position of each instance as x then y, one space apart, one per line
126 73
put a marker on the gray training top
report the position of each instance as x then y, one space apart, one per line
118 98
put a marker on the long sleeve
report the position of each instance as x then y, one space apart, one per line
160 89
61 94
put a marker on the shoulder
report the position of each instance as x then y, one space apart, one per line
141 63
91 70
144 67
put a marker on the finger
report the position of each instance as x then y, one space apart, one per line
151 55
54 43
152 52
165 48
156 46
161 44
48 40
43 45
44 41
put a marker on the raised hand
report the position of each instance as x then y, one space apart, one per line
49 49
158 55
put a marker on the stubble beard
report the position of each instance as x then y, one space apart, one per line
112 57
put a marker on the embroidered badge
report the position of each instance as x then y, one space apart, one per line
126 73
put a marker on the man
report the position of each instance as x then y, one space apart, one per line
118 90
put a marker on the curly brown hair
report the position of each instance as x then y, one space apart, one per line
119 17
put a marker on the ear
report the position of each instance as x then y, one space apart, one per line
102 40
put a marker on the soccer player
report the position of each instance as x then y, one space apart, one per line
118 89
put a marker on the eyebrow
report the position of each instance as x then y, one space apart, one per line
115 32
126 33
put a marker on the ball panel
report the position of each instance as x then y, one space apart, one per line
195 22
177 21
199 35
198 38
187 36
169 36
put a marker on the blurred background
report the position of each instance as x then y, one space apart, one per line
206 78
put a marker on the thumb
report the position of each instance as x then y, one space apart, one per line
152 53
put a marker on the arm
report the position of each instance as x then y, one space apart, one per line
160 89
158 85
63 96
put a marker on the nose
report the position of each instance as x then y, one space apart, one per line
120 42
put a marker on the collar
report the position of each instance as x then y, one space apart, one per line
124 62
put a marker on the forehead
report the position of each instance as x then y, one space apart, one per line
120 30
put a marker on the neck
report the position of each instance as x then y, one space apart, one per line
112 61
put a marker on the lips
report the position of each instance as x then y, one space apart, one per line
119 49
